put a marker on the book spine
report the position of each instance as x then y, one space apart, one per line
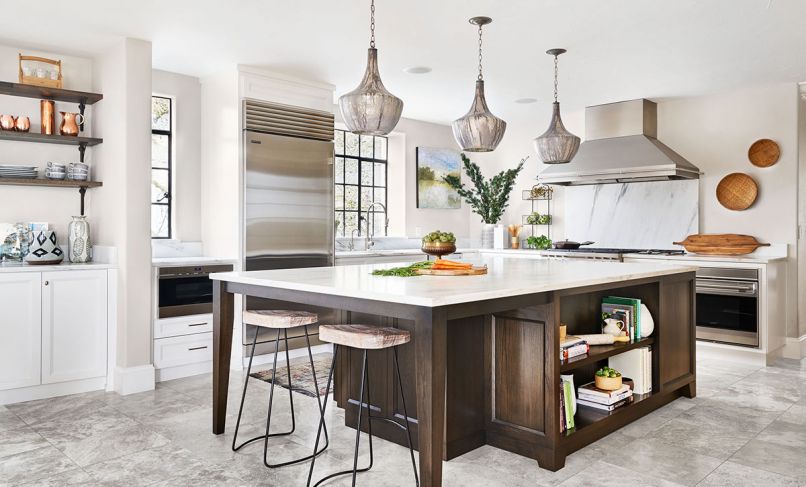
563 425
604 400
575 351
569 413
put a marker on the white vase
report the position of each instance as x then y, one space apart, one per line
487 235
647 322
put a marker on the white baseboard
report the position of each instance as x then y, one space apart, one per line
180 371
131 380
45 391
297 352
795 348
738 354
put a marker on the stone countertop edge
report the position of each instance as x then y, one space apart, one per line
64 266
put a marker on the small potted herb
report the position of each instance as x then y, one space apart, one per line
608 379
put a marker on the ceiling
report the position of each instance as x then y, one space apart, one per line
617 49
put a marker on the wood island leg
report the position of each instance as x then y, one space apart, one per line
690 390
430 341
223 318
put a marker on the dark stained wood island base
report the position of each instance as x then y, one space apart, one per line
483 370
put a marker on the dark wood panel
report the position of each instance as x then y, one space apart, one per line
675 334
51 183
43 92
49 139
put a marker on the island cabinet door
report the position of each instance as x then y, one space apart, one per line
676 333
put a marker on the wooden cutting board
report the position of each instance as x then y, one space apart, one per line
721 244
473 271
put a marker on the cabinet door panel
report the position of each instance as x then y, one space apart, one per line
20 329
73 325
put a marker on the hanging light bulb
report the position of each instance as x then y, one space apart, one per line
479 130
370 109
557 145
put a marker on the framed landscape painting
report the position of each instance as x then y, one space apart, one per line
432 165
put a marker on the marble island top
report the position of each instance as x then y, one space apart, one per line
506 277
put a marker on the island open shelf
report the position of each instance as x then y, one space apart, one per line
601 352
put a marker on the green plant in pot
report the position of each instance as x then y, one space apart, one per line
488 198
542 242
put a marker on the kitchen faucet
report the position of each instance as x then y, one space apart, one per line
368 242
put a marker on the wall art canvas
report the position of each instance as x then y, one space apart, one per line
432 165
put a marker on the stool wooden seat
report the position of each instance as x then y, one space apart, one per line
279 318
363 336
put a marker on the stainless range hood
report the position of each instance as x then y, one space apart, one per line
621 146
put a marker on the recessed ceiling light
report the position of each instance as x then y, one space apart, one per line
526 101
418 70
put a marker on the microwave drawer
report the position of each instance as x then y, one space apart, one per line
183 350
183 325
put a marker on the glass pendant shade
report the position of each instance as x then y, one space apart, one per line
557 145
479 130
370 109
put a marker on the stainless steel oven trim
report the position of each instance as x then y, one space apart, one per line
730 282
727 287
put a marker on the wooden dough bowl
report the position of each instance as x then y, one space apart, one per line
721 244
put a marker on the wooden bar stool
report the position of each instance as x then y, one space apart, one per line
281 320
364 338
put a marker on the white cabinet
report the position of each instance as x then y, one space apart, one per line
20 330
74 318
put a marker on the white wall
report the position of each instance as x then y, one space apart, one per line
802 209
186 94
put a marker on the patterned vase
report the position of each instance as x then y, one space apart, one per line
78 241
44 249
487 236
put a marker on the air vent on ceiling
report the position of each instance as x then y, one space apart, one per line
274 118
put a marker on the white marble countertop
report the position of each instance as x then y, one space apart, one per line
506 277
180 261
64 266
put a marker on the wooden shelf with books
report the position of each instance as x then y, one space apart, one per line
588 418
601 352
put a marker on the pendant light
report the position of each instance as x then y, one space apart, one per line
557 145
370 109
479 130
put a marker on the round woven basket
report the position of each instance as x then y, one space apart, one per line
764 153
737 191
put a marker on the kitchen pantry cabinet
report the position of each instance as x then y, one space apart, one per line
54 327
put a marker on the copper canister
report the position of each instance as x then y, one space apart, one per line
47 112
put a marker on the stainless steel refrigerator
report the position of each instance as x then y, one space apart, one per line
288 202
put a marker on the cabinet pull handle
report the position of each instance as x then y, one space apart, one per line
197 348
47 282
197 324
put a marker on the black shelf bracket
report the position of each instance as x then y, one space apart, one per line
81 106
82 191
82 147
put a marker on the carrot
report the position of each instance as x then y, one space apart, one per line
451 263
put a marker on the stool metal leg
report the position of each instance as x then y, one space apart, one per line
322 416
406 419
243 398
316 386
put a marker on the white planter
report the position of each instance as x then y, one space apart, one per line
487 236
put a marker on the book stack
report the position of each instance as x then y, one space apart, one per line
592 397
568 403
627 310
637 365
572 347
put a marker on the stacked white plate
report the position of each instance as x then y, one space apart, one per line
13 171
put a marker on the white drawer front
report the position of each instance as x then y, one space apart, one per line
183 325
183 350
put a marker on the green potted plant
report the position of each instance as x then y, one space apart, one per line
488 198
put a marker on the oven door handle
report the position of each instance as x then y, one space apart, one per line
728 289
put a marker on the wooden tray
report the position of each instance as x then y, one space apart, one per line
764 153
721 244
737 191
473 271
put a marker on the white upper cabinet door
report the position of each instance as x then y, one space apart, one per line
20 329
73 325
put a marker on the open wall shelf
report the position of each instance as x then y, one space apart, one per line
44 93
49 139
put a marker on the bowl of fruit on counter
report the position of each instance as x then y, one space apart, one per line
439 243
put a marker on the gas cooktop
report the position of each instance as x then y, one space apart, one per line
602 250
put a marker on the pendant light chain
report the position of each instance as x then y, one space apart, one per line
555 78
372 24
481 77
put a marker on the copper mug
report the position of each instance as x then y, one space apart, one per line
7 122
23 124
70 123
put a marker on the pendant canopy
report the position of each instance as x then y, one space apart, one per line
557 145
370 109
479 130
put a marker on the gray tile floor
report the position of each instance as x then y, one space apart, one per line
747 427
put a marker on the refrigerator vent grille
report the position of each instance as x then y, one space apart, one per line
274 118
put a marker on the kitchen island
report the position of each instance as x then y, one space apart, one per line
484 362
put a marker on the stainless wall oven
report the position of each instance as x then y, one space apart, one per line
728 306
186 290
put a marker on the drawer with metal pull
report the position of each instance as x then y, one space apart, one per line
183 350
183 325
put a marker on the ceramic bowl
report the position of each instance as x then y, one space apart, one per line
608 383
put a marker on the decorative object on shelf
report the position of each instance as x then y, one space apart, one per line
537 219
737 191
55 170
604 339
563 331
78 171
541 242
32 72
764 153
370 109
16 242
22 124
432 167
608 379
557 145
721 244
439 243
514 235
479 130
78 243
44 249
47 114
612 326
488 198
647 322
541 191
70 123
7 122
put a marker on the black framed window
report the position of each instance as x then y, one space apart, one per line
161 166
361 179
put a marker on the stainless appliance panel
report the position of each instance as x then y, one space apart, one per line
728 306
186 290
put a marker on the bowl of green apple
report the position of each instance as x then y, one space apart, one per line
439 243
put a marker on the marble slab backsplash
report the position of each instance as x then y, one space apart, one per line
632 215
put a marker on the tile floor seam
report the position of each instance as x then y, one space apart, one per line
738 460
